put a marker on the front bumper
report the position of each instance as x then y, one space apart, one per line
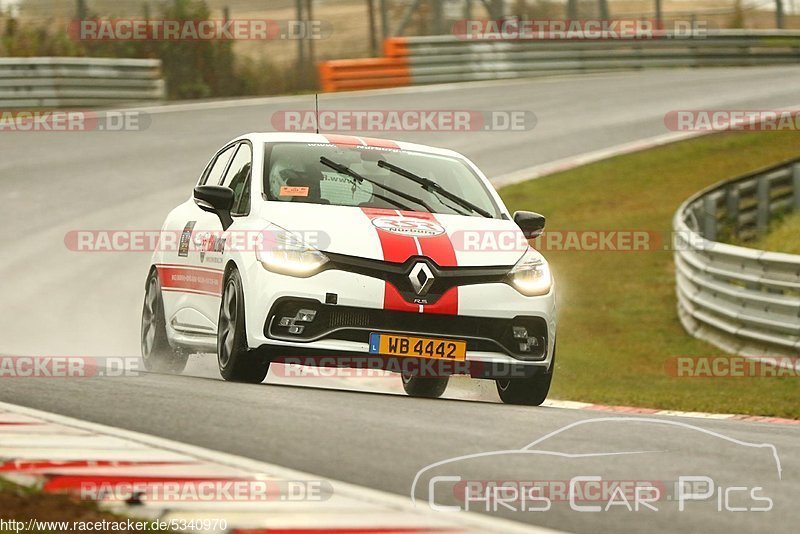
486 313
308 320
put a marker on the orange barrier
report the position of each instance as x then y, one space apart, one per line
370 73
395 47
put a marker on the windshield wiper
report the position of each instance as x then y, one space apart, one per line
430 185
344 169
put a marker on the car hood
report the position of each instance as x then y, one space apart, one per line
391 235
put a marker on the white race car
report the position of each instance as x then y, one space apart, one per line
351 252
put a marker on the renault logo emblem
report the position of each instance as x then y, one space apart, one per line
421 278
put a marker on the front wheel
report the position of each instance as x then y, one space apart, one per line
530 391
237 363
423 386
157 354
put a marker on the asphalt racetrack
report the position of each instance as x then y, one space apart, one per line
57 302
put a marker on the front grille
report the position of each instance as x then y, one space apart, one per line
355 324
342 318
397 274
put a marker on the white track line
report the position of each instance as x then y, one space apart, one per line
574 405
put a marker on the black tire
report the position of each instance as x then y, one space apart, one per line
237 363
531 391
423 386
157 354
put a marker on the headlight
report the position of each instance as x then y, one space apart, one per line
531 275
284 253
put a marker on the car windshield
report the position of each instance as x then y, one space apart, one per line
293 172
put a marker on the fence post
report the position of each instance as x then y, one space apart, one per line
81 10
762 196
602 6
301 48
384 20
308 38
796 185
659 15
572 9
497 9
373 41
732 205
710 217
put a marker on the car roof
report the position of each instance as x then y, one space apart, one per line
332 138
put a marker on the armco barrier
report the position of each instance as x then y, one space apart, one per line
447 58
742 300
54 82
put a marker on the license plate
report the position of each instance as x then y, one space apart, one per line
418 347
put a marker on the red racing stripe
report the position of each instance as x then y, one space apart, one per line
440 249
393 300
446 305
380 143
398 248
352 140
344 140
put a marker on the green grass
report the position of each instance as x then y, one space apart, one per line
783 236
23 503
617 310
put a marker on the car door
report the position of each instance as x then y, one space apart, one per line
191 286
209 238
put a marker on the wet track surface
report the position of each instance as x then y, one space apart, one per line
58 302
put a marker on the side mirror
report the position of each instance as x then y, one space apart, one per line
531 224
215 199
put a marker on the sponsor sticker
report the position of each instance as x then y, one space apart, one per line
293 191
186 238
408 226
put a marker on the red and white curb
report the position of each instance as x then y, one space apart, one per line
464 388
573 405
58 454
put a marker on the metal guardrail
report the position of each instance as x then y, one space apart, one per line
742 300
448 58
54 82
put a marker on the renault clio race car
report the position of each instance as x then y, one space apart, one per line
352 252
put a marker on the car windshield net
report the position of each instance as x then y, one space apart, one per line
293 172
